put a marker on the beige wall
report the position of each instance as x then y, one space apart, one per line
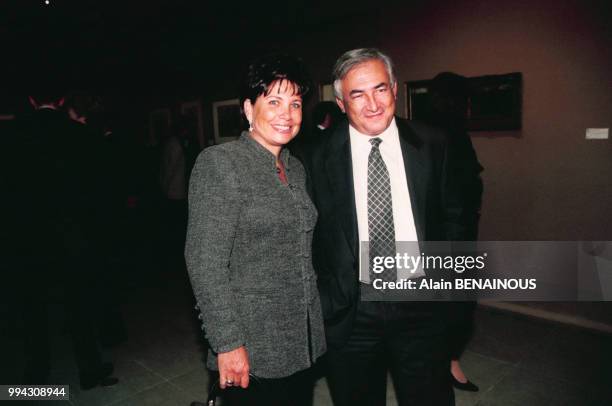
545 182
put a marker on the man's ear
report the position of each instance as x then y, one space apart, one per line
340 104
248 110
395 90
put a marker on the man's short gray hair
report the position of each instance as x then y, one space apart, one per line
354 57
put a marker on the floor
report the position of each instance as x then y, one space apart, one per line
516 361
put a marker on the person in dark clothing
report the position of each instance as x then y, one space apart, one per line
48 224
84 108
325 116
173 176
449 97
379 178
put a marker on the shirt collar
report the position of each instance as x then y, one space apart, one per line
47 107
390 136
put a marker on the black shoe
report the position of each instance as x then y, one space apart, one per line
101 378
87 384
108 381
106 369
467 386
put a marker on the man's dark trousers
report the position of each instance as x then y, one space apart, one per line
366 339
378 342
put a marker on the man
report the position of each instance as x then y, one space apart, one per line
47 231
87 110
378 166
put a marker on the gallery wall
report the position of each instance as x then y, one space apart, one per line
545 182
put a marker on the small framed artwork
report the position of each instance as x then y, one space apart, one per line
227 120
494 102
160 121
192 111
326 92
418 99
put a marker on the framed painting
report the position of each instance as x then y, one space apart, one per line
418 99
494 102
227 120
326 92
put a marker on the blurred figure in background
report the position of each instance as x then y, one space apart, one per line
325 116
87 110
48 232
449 95
173 181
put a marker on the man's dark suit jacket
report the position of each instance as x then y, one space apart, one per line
436 206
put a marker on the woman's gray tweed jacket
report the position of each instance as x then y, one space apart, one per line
248 256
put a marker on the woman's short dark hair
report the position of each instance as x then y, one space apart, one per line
264 71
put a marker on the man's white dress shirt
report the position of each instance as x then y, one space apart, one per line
391 152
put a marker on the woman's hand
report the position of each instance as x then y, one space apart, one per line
234 368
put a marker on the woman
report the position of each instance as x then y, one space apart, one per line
249 241
449 94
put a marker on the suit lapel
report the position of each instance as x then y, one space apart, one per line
416 171
339 168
